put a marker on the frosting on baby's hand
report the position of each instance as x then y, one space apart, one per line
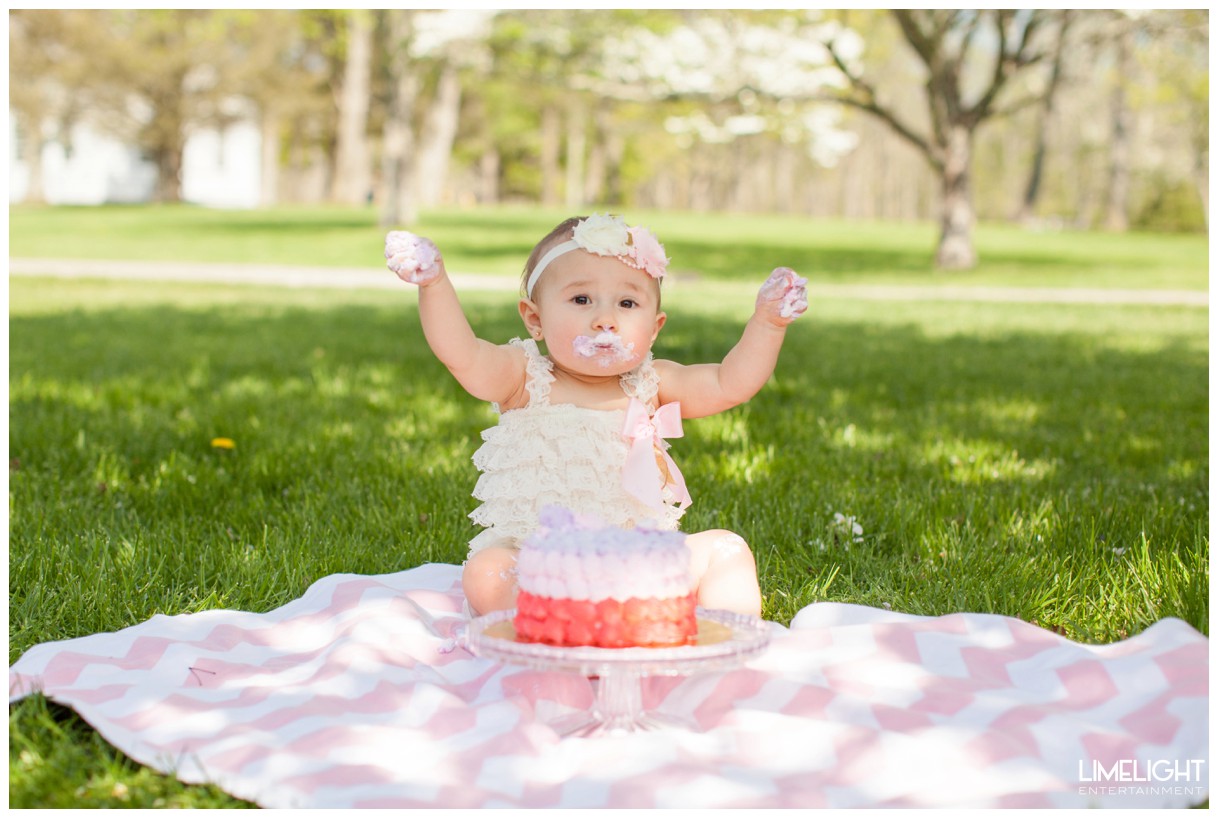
784 295
415 259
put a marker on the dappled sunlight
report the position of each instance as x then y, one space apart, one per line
1015 411
861 440
957 441
976 462
1034 525
746 466
727 428
251 387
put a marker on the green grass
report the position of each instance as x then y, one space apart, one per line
1048 462
718 246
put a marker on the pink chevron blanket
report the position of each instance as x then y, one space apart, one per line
359 694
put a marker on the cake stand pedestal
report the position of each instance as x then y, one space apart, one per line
724 640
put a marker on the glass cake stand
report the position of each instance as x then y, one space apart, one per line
724 640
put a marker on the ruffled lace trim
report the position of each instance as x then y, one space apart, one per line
540 371
643 382
572 458
539 374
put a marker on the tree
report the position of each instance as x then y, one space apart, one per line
420 127
1027 205
48 75
542 58
1158 98
740 89
950 44
158 73
352 157
270 68
400 205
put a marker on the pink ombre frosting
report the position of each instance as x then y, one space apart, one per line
573 559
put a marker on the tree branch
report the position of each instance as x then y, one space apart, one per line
1014 107
925 45
1007 60
904 131
864 98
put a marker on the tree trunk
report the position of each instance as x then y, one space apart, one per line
168 177
438 135
488 171
1117 210
955 251
166 155
351 156
1031 194
594 180
785 176
268 185
615 152
1201 178
399 205
31 155
550 140
577 142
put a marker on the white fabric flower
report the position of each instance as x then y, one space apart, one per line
604 235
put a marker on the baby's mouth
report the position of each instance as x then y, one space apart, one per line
607 347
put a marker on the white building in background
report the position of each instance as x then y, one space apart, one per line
220 168
223 168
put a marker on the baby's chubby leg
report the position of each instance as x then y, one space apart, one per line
725 571
489 579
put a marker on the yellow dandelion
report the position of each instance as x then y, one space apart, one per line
222 443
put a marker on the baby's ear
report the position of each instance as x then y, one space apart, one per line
531 315
661 320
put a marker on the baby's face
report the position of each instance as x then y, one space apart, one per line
598 315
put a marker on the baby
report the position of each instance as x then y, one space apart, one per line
585 425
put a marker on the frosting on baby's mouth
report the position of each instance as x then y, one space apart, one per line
606 346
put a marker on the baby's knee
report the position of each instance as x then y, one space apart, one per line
488 579
718 546
730 545
723 544
726 572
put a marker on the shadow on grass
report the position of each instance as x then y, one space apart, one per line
1054 477
1008 474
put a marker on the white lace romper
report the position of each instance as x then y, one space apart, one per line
559 454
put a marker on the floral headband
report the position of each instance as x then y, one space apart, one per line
607 235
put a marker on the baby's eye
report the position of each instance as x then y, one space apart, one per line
582 300
628 304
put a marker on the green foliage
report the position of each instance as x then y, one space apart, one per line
1172 207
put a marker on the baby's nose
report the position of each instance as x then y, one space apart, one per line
605 321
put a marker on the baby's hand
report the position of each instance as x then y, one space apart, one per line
415 259
783 297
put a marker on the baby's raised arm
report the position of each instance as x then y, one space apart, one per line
487 371
706 389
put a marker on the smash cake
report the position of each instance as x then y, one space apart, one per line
585 584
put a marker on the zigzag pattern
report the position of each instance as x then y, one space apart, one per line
357 695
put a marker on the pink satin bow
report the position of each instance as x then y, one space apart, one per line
641 475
